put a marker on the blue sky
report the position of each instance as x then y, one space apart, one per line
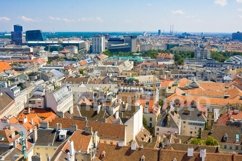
122 15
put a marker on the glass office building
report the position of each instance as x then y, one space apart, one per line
34 35
16 35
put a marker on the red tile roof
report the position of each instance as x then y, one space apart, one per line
4 66
105 130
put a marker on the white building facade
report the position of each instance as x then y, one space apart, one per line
98 44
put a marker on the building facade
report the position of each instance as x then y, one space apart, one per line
16 35
98 44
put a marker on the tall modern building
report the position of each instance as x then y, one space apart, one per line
16 35
98 44
34 35
132 42
125 44
237 36
159 32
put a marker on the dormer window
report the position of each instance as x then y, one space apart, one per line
225 138
142 158
226 96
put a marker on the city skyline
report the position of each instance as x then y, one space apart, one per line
136 15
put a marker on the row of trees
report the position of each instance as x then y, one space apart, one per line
149 53
208 141
222 56
179 55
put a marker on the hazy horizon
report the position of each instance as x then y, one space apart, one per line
208 16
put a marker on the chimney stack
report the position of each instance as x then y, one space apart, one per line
72 150
35 134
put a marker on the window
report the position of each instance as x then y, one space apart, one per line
150 124
157 129
225 146
184 122
237 147
150 119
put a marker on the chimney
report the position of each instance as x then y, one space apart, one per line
15 143
95 139
133 145
72 150
58 126
88 130
74 127
203 154
190 152
117 115
26 144
29 109
44 124
103 154
35 134
32 121
142 158
25 119
68 156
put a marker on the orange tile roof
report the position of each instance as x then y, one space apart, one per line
81 141
169 155
114 153
35 117
166 83
231 115
210 89
183 82
83 62
105 130
102 56
165 56
204 101
6 135
4 66
153 107
35 60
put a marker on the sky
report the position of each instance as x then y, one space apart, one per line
122 15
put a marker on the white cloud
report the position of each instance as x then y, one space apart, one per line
5 19
99 19
26 19
68 20
221 2
239 1
91 19
178 12
239 9
83 19
54 18
240 16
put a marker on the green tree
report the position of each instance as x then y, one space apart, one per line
81 71
197 141
211 141
145 123
161 102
